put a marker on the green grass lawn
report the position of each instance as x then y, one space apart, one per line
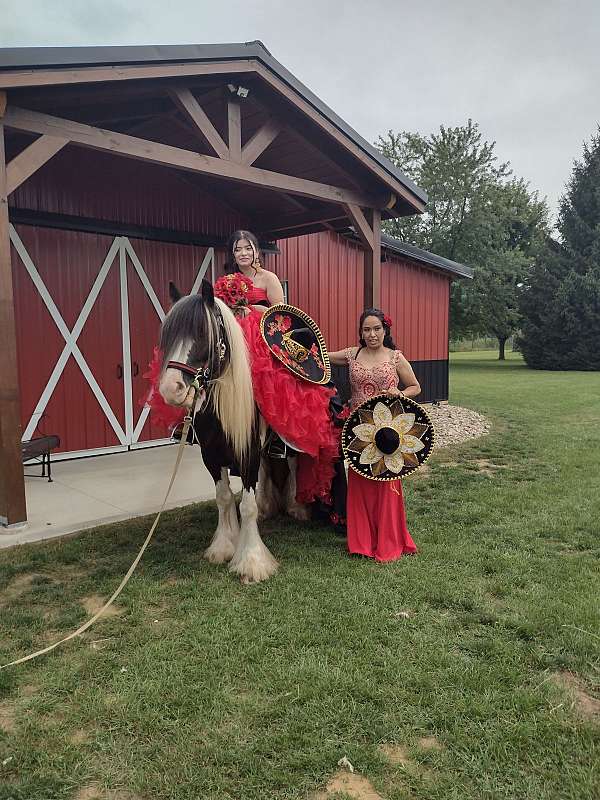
202 688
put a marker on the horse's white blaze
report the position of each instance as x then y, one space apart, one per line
172 387
252 560
226 536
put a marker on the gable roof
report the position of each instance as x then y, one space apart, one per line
37 58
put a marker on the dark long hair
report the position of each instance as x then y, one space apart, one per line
230 265
376 312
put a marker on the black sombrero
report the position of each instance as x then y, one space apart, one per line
295 339
386 438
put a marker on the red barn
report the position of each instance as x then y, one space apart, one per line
123 168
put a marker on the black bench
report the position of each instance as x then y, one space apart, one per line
40 448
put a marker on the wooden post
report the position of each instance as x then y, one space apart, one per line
12 482
372 281
234 124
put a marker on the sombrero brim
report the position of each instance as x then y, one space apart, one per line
296 341
386 438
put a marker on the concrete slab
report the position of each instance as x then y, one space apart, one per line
87 492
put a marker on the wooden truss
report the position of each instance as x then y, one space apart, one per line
230 161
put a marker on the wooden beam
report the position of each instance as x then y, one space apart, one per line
326 125
188 103
360 224
372 274
3 102
260 141
83 75
234 124
31 159
65 75
166 155
291 221
12 482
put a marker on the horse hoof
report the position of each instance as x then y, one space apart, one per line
219 552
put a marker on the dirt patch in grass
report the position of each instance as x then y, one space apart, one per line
94 602
350 783
486 467
430 743
95 792
7 717
585 705
19 586
395 754
79 737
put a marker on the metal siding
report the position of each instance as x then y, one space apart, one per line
68 263
325 278
416 299
100 186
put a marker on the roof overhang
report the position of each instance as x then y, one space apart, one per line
62 66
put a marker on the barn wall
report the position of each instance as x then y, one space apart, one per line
325 277
91 185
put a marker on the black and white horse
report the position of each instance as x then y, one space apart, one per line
200 337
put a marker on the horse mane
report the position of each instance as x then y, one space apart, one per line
192 327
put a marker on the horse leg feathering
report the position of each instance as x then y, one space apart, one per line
252 560
227 534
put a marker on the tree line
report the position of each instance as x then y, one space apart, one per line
532 280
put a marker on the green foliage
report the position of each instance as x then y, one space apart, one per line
477 214
579 219
561 304
204 688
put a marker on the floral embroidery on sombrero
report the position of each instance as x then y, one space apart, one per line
281 324
387 438
314 351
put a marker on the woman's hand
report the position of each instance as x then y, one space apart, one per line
394 392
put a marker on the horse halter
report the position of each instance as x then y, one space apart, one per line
203 376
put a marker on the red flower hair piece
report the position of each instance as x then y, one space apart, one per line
387 321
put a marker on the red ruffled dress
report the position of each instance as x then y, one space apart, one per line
376 517
295 409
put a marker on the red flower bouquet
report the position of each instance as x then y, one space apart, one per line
233 291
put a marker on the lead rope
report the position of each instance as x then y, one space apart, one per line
186 426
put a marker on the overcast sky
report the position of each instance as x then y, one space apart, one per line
528 71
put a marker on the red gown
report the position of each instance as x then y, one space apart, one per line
296 409
375 512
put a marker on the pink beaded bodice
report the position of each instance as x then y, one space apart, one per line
367 381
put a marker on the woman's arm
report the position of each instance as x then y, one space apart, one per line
274 289
339 358
407 377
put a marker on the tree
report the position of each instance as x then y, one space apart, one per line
561 304
476 214
579 217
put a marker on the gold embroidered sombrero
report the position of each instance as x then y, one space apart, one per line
386 438
295 339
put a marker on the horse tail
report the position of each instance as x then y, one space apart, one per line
232 395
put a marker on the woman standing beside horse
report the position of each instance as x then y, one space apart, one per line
376 517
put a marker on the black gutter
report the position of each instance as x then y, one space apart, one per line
404 249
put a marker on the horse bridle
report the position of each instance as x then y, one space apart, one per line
202 376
